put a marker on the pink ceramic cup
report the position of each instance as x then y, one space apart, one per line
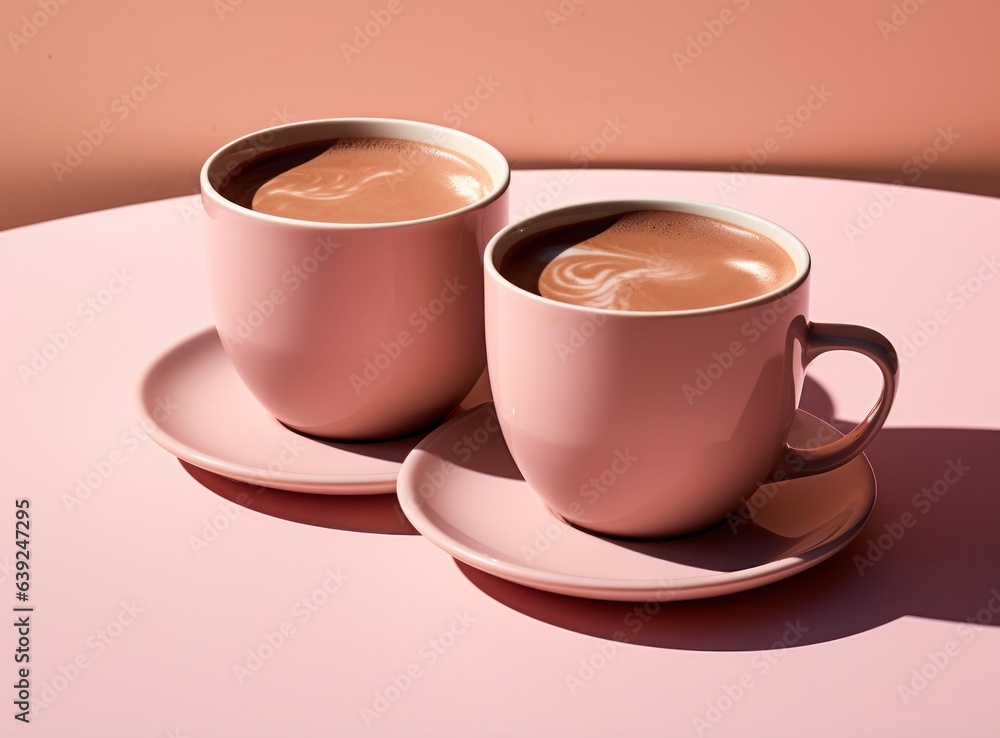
352 331
658 424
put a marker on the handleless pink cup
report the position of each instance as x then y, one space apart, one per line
658 424
352 331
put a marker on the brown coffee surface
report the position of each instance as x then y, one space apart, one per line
367 180
650 260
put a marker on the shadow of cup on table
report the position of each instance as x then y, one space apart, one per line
928 551
378 513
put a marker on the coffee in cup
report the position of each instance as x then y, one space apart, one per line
359 180
652 260
646 360
345 269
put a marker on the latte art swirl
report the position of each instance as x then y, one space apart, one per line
608 279
374 180
651 260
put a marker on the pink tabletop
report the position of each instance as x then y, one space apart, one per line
161 607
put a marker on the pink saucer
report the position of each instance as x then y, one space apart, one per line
192 403
460 488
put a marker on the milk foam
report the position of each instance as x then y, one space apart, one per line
375 180
661 260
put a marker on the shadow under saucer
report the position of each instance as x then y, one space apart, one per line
461 489
928 550
357 513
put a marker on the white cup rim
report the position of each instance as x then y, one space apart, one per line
515 232
303 131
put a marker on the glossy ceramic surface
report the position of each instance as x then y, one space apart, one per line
352 331
461 489
650 424
192 403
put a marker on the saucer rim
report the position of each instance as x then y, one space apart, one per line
290 481
618 589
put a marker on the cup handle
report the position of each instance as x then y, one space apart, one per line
823 337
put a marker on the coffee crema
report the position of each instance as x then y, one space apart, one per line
649 260
358 180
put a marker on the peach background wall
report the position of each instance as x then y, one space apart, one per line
111 102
